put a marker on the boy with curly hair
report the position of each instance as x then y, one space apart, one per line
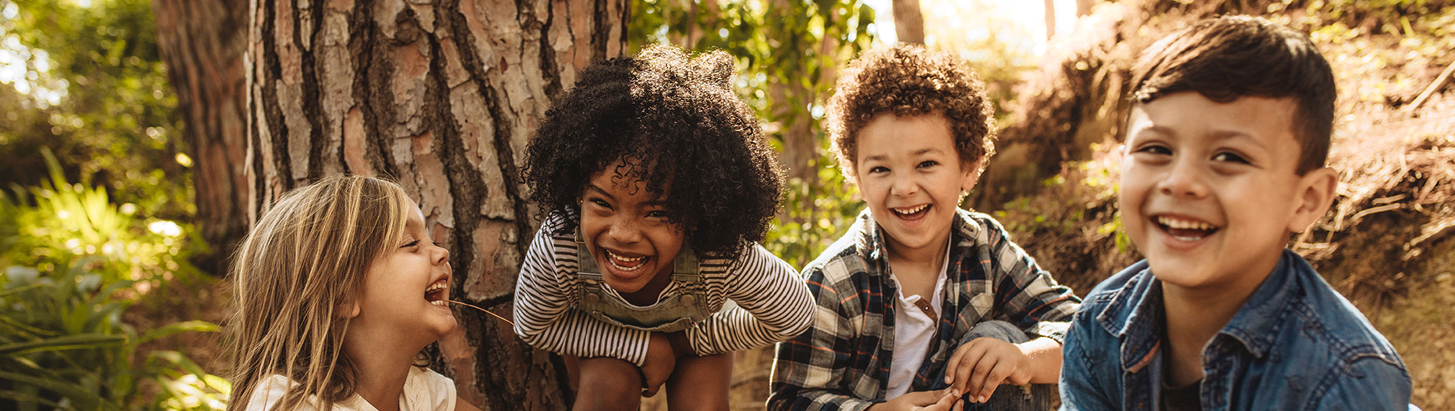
1225 149
920 303
657 182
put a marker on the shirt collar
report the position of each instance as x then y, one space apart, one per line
1134 313
872 240
1256 323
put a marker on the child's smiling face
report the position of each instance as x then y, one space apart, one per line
626 228
1209 191
909 172
407 286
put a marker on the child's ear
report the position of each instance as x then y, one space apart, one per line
1315 194
970 173
347 310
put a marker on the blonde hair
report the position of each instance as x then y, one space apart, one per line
296 275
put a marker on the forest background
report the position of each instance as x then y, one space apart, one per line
130 164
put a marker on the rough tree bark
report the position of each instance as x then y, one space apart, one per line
202 43
440 96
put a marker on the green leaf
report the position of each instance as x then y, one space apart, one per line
69 342
169 329
25 397
80 397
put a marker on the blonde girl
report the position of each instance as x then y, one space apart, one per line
339 287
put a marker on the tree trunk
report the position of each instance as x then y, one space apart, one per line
1050 10
440 97
202 43
909 22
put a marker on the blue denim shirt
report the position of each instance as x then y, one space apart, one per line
1296 344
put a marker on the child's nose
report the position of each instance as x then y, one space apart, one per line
441 255
904 185
625 231
1184 180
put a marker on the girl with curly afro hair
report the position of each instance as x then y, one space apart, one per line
656 182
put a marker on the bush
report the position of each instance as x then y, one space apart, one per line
74 262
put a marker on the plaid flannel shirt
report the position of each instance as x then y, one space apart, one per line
842 361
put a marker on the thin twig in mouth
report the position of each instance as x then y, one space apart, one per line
512 324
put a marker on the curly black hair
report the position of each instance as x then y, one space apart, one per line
675 121
908 80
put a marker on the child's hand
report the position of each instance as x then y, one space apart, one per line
942 400
983 364
659 364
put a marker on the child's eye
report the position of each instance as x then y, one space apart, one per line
599 202
1155 149
657 214
1230 157
878 169
411 243
928 163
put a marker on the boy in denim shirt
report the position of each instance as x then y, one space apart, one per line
1224 158
920 303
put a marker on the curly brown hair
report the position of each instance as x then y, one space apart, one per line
908 80
674 121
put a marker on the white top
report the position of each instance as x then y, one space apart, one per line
424 390
773 304
913 330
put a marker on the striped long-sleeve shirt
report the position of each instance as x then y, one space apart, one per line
772 303
842 362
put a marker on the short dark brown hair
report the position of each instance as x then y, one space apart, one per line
1231 57
908 80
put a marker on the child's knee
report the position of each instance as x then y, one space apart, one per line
608 384
997 329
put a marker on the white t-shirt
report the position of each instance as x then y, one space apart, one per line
913 330
424 390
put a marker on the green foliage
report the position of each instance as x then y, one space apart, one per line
787 53
74 263
70 221
814 215
85 77
63 345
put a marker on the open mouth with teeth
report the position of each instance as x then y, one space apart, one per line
911 212
624 263
437 292
1184 229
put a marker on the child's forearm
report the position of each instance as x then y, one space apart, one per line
1045 356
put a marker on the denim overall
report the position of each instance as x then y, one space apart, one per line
676 312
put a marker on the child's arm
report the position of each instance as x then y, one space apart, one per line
1084 383
981 365
1368 383
462 405
544 317
774 306
1025 294
810 370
